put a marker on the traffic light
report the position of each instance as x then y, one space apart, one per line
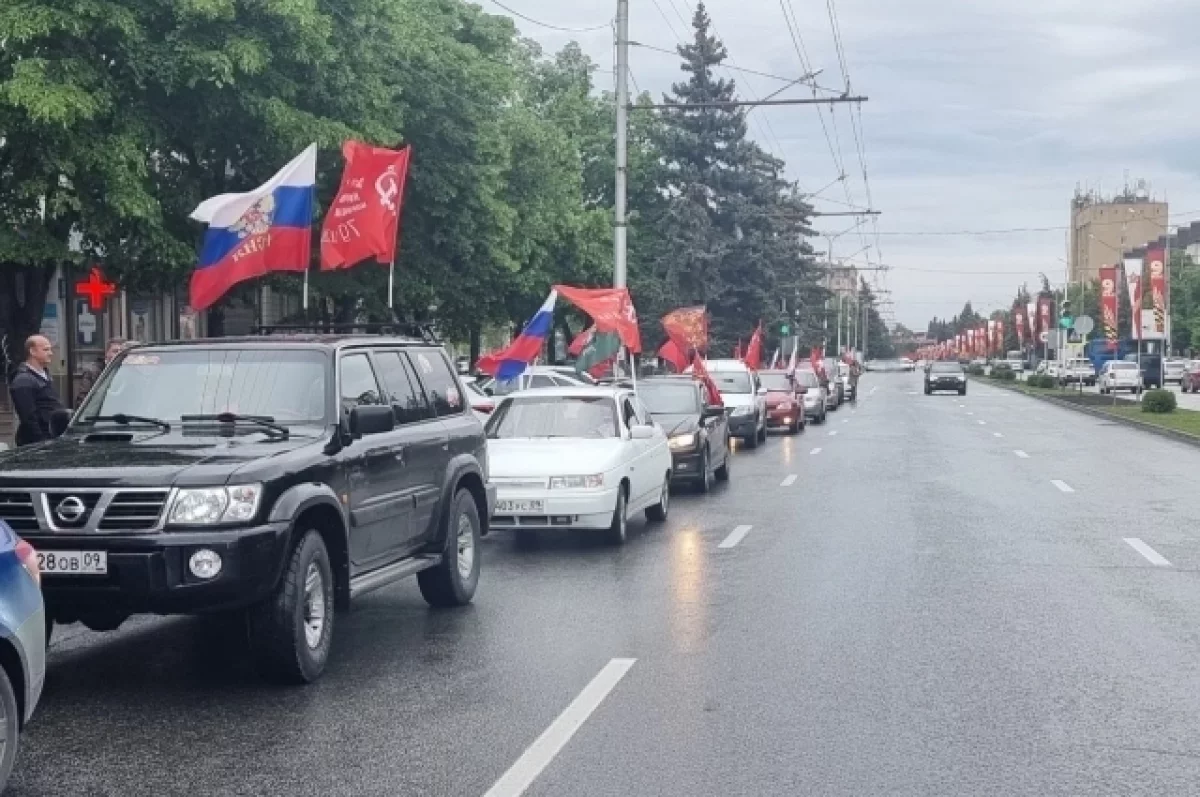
1065 319
784 329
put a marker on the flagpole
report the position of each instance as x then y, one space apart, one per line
632 369
391 282
306 291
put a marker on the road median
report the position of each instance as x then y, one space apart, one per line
1181 425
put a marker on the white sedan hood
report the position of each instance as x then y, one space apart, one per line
567 456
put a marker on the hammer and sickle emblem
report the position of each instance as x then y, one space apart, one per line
388 188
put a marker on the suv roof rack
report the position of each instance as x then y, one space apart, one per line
423 331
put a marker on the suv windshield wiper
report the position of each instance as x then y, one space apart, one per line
266 422
124 420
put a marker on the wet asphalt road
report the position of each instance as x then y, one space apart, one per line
923 611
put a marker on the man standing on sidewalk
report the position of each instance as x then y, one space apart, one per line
33 396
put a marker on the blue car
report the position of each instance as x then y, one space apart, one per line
22 642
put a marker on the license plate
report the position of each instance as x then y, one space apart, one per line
521 507
73 563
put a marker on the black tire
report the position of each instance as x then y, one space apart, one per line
751 441
962 391
10 723
705 483
794 428
928 392
278 629
722 473
762 433
618 530
658 512
446 585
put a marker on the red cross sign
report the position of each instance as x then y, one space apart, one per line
96 289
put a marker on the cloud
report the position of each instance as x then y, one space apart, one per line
983 114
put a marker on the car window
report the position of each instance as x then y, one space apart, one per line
402 389
441 388
358 382
679 398
644 415
562 381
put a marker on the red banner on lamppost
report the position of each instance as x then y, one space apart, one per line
1158 287
1108 301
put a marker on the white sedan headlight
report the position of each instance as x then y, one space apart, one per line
577 482
811 399
211 505
742 410
683 441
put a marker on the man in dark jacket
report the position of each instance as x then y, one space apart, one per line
33 396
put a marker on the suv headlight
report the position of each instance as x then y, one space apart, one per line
592 482
212 505
682 441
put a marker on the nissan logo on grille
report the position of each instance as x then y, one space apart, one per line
70 509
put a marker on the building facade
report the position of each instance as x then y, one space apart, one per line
1104 227
842 280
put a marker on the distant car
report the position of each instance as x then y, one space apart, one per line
573 458
23 631
816 395
1173 369
836 388
849 383
1077 370
1152 376
946 376
745 396
1190 381
697 434
1119 375
908 364
785 401
535 378
481 403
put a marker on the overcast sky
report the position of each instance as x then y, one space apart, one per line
983 115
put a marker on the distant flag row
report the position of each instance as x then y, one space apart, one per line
269 228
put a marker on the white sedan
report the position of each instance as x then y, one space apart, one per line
577 458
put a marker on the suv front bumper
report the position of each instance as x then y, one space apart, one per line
148 573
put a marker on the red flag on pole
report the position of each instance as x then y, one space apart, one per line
581 341
363 219
710 387
753 358
688 328
670 352
611 310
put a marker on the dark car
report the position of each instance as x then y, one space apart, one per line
946 376
785 401
697 434
1152 375
22 642
268 479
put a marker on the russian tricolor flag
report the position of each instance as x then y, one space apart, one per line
251 234
511 362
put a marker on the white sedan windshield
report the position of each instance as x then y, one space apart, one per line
554 416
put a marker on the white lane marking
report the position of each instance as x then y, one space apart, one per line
1153 556
833 433
538 755
912 393
983 423
962 407
735 536
969 413
997 434
1021 454
788 480
815 451
1062 485
846 420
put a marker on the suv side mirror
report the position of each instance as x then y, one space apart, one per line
371 419
714 411
642 432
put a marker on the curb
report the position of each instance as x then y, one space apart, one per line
1170 434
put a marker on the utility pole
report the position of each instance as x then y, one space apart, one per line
619 221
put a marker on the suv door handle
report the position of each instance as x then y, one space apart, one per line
398 453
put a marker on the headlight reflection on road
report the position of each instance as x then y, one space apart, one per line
689 590
787 451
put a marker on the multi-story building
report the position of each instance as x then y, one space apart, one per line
1102 228
842 280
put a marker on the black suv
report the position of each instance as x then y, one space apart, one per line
698 434
268 478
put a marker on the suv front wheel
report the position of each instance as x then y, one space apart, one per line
452 583
291 632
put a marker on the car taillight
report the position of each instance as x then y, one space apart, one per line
29 560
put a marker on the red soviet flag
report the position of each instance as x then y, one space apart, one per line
671 352
362 221
753 358
611 310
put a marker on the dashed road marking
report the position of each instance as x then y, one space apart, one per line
1021 454
997 434
1062 485
970 413
1152 556
538 755
846 420
815 451
833 433
788 480
872 393
983 423
735 536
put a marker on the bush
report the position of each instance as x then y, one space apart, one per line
975 370
1007 375
1160 401
1003 372
1041 380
